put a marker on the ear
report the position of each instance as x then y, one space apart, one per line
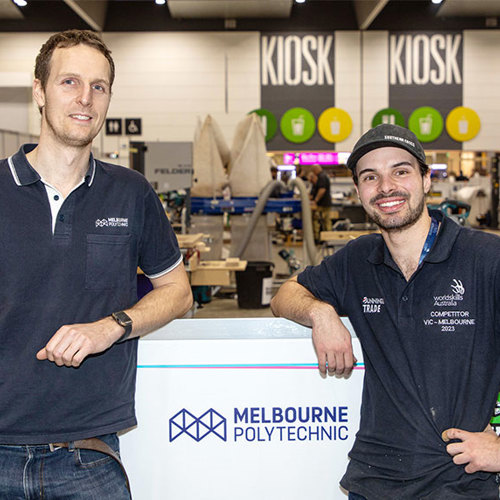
38 93
427 181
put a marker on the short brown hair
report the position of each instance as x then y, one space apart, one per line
70 38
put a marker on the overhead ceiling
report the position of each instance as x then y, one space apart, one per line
260 15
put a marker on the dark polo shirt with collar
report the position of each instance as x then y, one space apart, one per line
81 272
431 348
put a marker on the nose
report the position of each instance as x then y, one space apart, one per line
386 184
85 96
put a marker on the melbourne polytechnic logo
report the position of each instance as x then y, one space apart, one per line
112 222
184 422
101 222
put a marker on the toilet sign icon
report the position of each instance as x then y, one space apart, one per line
133 126
113 126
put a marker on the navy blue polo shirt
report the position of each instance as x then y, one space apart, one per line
83 271
431 348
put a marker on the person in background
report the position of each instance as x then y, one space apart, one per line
423 297
321 201
461 177
74 230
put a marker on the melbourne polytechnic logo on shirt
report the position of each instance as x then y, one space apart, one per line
112 222
372 304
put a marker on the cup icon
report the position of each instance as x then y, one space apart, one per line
389 119
335 127
463 125
425 124
263 121
298 125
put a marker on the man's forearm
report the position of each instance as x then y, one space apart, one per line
295 302
159 307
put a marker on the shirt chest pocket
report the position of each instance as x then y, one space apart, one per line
108 261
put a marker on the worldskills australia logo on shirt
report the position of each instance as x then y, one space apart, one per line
451 299
372 305
112 222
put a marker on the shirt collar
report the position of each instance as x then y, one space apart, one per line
24 174
440 251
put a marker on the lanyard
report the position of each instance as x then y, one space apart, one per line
431 236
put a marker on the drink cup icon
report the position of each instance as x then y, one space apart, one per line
335 127
463 125
425 124
389 119
263 121
298 125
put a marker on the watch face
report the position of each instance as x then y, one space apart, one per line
122 318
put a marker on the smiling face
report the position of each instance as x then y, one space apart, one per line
391 187
76 97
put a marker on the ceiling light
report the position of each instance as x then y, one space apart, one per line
20 3
437 2
160 2
300 1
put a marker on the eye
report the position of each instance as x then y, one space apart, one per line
68 81
99 87
368 178
401 171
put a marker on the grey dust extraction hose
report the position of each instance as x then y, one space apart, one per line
310 254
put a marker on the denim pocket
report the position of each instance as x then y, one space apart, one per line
91 458
108 261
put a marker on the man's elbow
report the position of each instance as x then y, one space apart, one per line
186 301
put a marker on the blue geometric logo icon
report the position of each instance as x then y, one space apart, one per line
197 427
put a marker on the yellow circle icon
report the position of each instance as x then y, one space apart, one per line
334 125
462 124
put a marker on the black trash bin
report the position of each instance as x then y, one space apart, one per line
254 285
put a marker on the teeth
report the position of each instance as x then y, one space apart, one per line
81 117
390 203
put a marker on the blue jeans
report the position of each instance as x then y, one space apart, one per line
33 472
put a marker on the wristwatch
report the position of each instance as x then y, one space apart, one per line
123 319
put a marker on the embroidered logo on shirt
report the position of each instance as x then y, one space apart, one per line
372 304
112 222
457 287
450 320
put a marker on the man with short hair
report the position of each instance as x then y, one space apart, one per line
424 299
73 231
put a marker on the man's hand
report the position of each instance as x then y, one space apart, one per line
479 450
71 344
332 343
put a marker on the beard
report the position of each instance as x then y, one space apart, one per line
65 137
396 222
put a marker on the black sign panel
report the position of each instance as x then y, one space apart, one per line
426 69
133 126
297 71
113 126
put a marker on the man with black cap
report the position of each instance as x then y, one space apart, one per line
430 343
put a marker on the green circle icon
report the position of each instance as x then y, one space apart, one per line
269 122
388 115
426 123
297 125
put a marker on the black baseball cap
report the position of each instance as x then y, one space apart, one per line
386 135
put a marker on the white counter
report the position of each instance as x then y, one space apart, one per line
236 409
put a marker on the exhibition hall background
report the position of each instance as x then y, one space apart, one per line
172 79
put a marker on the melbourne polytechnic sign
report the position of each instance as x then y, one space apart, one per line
263 424
297 72
425 81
